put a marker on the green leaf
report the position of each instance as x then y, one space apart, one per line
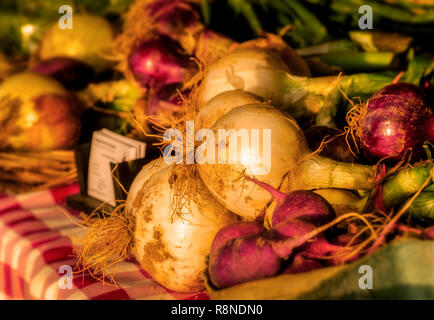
401 270
419 67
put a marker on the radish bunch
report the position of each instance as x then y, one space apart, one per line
245 251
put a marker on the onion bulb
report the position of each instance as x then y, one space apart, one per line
221 104
281 158
265 74
90 37
160 61
37 113
172 246
395 119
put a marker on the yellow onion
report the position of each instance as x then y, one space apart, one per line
170 245
37 113
291 165
90 37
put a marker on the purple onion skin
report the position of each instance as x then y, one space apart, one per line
236 230
305 205
241 260
430 129
397 118
292 228
159 62
402 89
71 73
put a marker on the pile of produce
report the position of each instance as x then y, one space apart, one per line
333 130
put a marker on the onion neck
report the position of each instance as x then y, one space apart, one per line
321 172
404 184
307 94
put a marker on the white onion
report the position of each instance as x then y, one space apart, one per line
287 150
221 104
265 74
172 248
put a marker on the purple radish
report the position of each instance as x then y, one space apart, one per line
236 230
250 258
322 248
241 260
71 73
301 204
292 228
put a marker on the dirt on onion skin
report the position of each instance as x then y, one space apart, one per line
155 252
137 202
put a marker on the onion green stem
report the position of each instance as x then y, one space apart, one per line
404 184
359 61
321 172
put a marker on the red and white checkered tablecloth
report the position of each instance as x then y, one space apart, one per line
37 237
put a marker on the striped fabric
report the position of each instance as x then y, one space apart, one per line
37 241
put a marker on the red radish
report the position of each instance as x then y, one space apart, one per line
300 204
241 260
321 248
250 258
292 228
71 73
160 61
236 230
300 212
396 118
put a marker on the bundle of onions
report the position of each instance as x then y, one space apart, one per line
282 160
178 20
89 39
37 113
168 230
264 73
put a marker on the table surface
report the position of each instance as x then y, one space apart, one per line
38 235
